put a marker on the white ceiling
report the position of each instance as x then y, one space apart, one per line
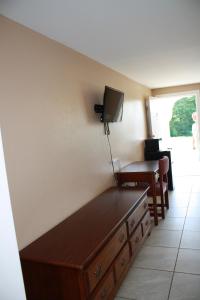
155 42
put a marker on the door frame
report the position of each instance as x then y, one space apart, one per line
181 94
186 93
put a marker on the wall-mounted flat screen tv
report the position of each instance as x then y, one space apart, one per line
112 105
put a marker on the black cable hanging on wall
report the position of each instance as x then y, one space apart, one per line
107 132
106 128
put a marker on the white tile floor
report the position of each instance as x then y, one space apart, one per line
168 265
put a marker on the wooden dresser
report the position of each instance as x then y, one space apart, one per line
88 254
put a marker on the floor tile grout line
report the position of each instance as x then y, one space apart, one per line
195 274
153 269
173 273
193 249
163 229
126 298
160 246
161 270
168 247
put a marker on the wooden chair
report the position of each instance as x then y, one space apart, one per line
161 186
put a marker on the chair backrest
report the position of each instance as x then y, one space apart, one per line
163 168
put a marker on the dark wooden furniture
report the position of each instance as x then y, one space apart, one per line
161 186
88 254
152 152
141 171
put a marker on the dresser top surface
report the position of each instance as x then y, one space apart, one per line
75 241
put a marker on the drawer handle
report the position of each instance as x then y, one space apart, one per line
103 294
145 205
137 240
121 238
123 262
132 223
98 272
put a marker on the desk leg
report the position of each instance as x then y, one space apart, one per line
154 201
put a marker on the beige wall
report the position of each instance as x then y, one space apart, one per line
56 152
176 89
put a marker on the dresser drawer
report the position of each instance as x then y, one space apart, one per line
136 239
146 223
106 288
122 261
102 262
135 217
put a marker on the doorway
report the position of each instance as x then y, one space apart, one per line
171 119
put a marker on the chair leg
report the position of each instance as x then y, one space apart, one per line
166 199
162 206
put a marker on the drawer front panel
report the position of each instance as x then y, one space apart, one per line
106 288
146 223
137 215
122 261
136 239
102 262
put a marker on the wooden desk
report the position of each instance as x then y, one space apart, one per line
141 171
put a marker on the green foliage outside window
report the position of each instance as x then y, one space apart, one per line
181 121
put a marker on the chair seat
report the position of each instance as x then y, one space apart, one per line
157 188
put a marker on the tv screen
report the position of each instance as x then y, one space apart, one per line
113 105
